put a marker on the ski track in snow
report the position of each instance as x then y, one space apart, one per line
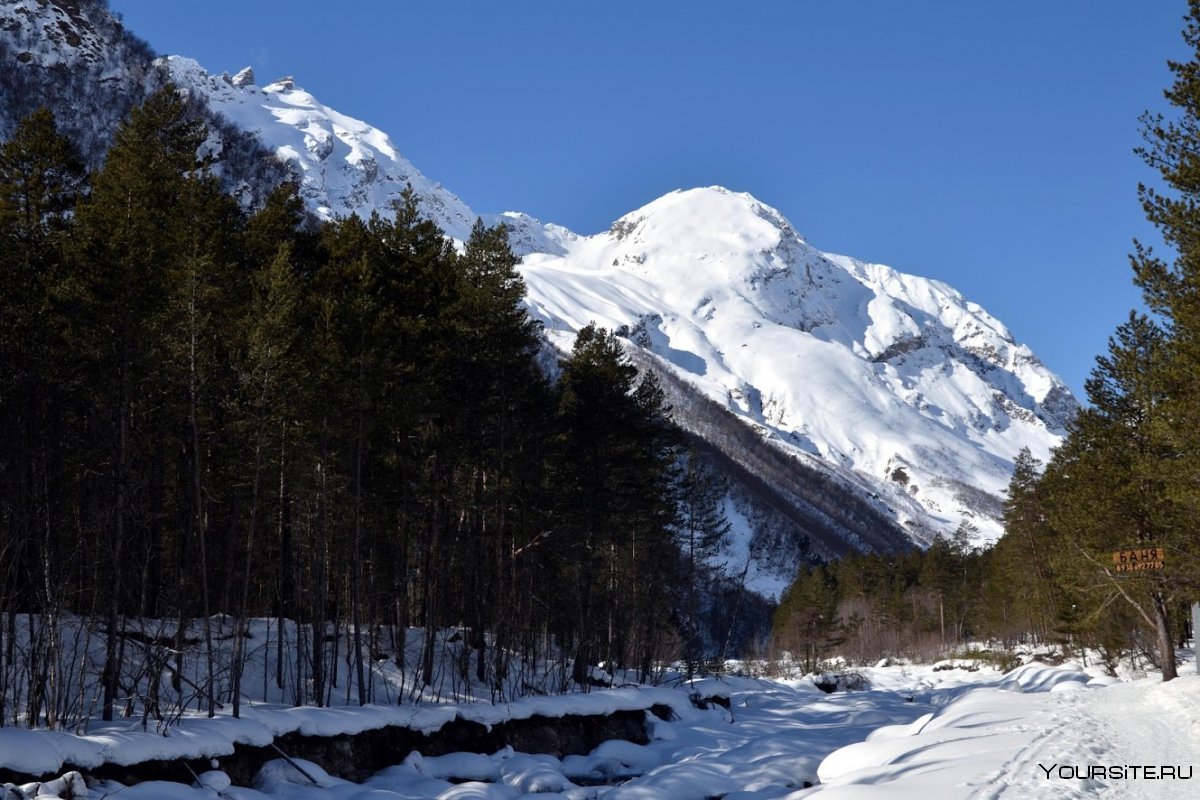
1037 734
1126 724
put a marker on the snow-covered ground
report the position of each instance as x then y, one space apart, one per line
919 732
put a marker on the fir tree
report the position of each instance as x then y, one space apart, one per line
41 178
1024 554
40 181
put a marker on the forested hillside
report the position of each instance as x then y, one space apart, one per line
212 413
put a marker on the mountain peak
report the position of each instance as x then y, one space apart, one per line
711 213
852 368
864 368
244 78
344 165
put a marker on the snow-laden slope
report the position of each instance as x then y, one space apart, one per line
891 380
61 34
344 165
73 57
897 384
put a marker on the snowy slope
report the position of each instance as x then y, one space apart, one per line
895 382
854 367
345 166
76 59
60 34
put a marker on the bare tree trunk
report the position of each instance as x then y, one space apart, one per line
200 517
285 558
112 669
356 568
320 590
432 544
241 628
1166 643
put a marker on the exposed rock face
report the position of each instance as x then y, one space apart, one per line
243 78
75 58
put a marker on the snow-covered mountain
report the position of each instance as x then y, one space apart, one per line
902 400
893 382
896 385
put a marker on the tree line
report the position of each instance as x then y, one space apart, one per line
1125 480
1032 588
206 411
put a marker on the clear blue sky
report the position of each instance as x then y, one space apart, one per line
988 145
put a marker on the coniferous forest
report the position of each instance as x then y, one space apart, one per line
214 415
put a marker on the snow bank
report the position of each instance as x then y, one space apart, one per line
37 752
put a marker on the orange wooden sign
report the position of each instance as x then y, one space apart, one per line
1138 559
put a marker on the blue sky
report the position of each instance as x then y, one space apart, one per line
988 145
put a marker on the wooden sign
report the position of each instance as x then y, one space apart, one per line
1138 559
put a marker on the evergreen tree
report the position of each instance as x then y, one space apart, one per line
701 530
615 505
498 391
1107 487
130 234
1171 287
1024 553
41 178
807 623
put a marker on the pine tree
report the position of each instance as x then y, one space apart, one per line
807 623
1107 487
1024 554
499 392
615 506
41 178
1171 286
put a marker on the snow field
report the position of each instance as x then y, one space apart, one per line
918 733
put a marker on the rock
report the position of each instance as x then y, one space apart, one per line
244 78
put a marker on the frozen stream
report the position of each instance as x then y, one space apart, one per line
1037 732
